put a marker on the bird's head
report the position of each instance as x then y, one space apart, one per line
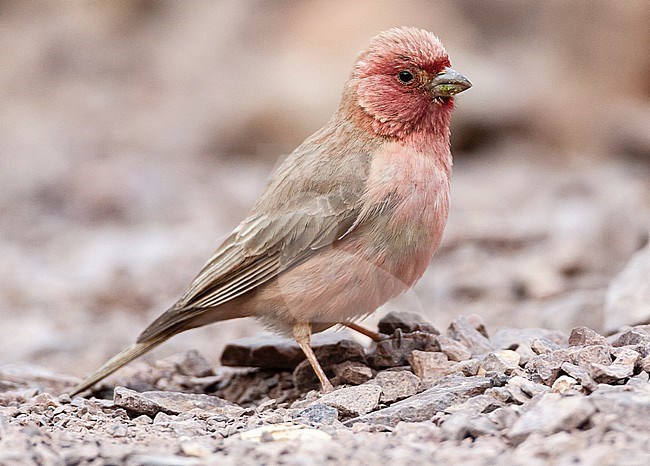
403 82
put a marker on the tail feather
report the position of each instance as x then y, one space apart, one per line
117 361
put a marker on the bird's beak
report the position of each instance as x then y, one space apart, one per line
448 83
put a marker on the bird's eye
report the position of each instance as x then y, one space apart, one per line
405 76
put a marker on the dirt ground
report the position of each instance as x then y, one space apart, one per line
135 135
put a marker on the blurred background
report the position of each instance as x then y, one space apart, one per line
135 134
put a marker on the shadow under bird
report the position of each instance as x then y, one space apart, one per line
351 218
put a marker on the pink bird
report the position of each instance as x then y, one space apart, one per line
351 218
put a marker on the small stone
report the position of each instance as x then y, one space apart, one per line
622 368
580 374
464 332
318 413
586 355
584 336
564 384
396 385
645 364
272 352
431 366
394 352
480 404
42 402
551 414
353 401
546 367
504 361
151 403
544 346
407 322
635 336
469 367
352 372
424 405
521 390
454 349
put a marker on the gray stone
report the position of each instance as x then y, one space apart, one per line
622 367
396 385
353 401
581 374
395 351
635 336
270 352
461 330
546 367
584 336
407 322
152 403
425 405
454 349
318 413
544 346
352 373
504 361
552 413
521 390
586 355
628 405
480 404
431 366
564 385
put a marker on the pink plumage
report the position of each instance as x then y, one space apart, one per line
352 217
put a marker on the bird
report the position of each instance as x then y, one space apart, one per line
350 219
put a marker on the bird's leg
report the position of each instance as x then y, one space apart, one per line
302 335
375 336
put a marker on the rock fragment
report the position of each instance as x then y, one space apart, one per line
396 385
622 367
270 352
152 403
634 336
463 331
584 336
431 366
546 367
454 349
552 413
580 374
352 373
318 413
406 322
394 352
353 401
423 406
504 361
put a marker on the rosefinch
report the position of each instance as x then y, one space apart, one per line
350 220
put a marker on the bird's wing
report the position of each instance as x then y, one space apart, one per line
266 244
306 206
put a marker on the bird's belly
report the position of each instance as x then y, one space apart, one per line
354 276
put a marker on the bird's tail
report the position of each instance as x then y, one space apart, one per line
117 361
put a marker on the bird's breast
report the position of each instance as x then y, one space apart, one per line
406 203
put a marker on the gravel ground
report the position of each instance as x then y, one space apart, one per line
463 396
